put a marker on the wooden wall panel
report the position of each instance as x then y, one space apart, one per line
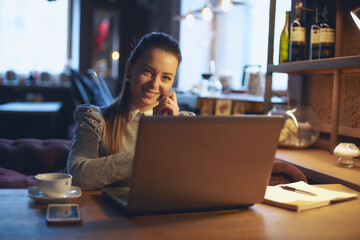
319 95
349 111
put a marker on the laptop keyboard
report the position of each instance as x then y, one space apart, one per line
122 196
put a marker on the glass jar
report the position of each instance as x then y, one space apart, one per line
301 126
214 86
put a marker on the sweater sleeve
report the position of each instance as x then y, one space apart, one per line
89 170
186 113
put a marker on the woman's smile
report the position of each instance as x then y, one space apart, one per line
150 93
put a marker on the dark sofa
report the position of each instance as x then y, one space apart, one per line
22 159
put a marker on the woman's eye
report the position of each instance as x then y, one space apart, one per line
146 71
167 78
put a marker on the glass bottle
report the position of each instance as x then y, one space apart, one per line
327 34
315 36
297 36
284 41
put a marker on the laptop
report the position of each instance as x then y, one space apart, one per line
200 163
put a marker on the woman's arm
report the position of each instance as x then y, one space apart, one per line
89 170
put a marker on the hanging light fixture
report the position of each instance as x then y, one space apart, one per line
190 18
226 5
356 16
207 13
208 10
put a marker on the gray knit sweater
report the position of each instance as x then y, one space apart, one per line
88 163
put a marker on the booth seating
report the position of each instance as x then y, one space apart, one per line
22 159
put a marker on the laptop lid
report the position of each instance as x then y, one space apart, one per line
201 162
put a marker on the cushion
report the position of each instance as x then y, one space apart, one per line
33 156
13 179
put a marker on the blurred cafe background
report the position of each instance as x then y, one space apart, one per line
57 54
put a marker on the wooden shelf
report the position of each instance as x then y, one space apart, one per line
320 66
345 131
321 166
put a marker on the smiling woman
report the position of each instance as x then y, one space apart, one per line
103 148
152 78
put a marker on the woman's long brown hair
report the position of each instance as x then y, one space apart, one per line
116 115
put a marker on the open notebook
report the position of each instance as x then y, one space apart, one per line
202 162
302 196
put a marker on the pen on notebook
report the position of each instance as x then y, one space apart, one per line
297 190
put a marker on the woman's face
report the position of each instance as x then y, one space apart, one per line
150 77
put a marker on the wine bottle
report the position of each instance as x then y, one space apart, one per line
284 41
327 34
315 36
297 36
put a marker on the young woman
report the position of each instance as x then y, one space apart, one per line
104 138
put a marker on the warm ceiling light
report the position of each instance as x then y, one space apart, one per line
226 5
190 19
115 55
207 13
356 16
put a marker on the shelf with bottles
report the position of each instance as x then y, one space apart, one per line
345 59
318 66
324 64
341 53
310 34
314 60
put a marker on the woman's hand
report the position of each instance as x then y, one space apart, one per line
167 105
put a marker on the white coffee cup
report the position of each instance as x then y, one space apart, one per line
54 184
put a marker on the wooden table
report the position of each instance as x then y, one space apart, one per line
30 120
32 93
31 107
21 218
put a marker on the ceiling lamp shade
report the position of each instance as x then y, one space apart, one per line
226 5
190 19
207 14
356 16
208 11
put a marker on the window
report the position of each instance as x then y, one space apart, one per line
233 39
33 35
279 79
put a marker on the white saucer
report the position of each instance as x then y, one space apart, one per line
38 195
